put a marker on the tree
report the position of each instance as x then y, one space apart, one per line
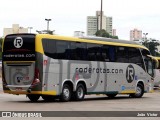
115 37
104 33
152 46
1 39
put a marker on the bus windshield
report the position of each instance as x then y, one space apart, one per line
148 62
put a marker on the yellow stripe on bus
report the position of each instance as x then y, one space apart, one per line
151 91
32 92
128 91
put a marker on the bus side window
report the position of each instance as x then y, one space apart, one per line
122 54
49 47
112 55
91 52
72 51
94 53
104 50
61 50
81 51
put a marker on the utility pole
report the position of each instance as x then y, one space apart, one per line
101 15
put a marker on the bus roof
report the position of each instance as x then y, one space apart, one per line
110 40
98 40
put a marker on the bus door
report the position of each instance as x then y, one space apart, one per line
18 62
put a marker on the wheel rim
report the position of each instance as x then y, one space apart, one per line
80 92
138 90
66 93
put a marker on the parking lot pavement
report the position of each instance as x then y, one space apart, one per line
149 102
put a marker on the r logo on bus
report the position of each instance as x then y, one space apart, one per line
130 73
18 42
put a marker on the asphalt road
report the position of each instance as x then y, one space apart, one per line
149 102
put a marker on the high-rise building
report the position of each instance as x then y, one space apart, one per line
94 22
78 33
135 34
15 29
114 32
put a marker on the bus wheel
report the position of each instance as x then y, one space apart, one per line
111 95
139 91
66 93
48 97
80 92
33 97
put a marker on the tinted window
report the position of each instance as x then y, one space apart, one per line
94 52
81 53
62 50
135 56
122 54
49 47
72 51
19 47
112 53
77 51
105 54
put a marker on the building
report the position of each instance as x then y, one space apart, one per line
78 33
15 29
93 23
114 32
135 34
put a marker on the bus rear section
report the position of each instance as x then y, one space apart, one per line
18 66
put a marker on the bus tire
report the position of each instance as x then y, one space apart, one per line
111 95
139 91
33 97
80 92
66 93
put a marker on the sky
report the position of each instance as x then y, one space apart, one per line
71 15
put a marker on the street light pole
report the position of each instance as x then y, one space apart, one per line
48 23
30 29
145 38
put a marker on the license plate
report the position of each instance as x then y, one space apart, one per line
19 89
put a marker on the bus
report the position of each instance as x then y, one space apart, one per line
68 68
157 74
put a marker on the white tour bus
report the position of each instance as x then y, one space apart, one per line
51 66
